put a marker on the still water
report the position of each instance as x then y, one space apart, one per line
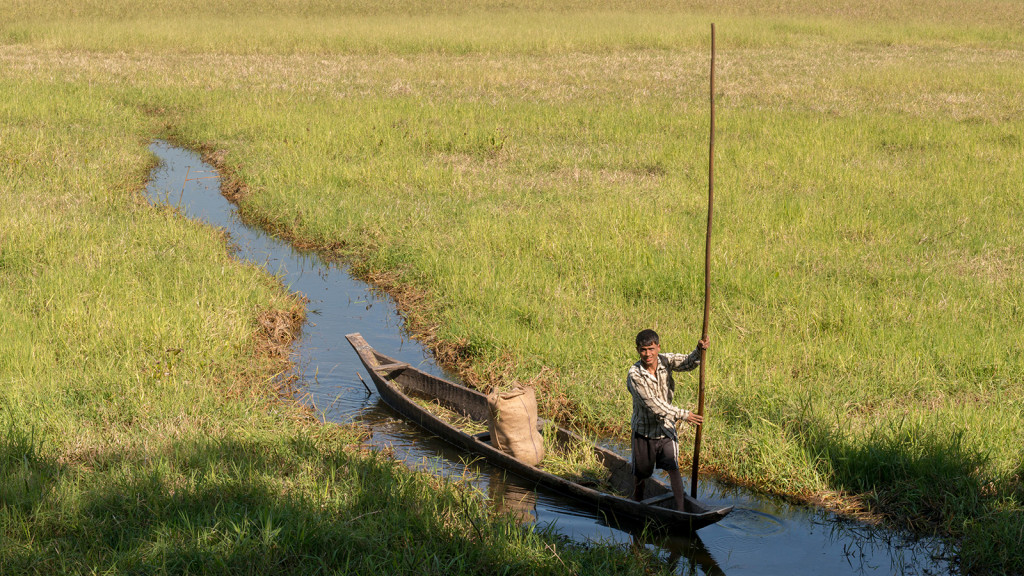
762 536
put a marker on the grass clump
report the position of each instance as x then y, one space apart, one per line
575 461
464 423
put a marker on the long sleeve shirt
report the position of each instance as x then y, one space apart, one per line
654 415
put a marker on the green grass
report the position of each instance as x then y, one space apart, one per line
142 424
576 461
532 179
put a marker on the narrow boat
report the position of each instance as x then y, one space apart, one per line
400 385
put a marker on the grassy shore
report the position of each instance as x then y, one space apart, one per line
531 180
142 427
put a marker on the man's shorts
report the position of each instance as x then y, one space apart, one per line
651 452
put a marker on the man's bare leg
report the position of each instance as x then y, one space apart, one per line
638 488
677 489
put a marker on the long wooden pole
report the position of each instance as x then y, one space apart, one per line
707 274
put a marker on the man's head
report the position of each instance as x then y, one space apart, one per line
646 338
648 346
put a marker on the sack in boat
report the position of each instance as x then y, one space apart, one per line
514 424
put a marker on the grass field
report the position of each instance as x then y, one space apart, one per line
531 181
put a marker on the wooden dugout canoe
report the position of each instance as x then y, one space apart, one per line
397 381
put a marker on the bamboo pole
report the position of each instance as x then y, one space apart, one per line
707 275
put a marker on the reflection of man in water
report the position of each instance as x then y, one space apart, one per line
654 417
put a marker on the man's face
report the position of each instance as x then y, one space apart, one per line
649 355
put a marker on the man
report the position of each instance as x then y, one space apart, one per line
654 420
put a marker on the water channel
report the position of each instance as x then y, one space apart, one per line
762 536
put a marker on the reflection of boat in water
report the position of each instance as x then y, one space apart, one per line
506 497
682 550
397 382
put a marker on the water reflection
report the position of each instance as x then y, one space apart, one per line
684 555
508 497
762 535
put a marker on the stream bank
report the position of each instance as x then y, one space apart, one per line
763 535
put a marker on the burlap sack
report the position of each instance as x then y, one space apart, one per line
514 425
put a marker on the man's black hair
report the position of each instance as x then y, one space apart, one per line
646 338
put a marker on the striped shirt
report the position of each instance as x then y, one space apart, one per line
654 416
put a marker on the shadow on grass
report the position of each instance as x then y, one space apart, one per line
248 506
26 477
929 480
921 474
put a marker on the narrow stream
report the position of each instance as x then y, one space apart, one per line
763 535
